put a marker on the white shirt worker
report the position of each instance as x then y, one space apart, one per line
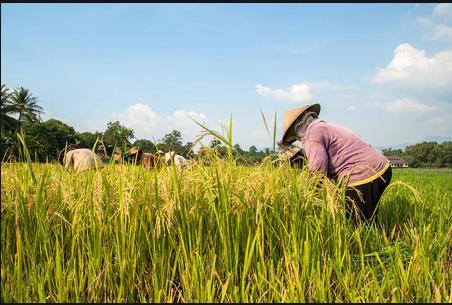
82 159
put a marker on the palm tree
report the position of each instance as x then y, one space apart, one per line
26 106
7 122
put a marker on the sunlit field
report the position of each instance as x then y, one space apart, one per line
218 233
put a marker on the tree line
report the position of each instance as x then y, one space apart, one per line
425 154
20 112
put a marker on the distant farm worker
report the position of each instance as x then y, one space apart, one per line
117 155
178 160
79 159
340 155
148 160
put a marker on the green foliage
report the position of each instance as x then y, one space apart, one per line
238 148
7 122
392 152
117 135
443 154
145 145
45 140
218 234
188 150
172 142
425 154
268 131
22 103
88 139
214 143
254 156
8 145
26 105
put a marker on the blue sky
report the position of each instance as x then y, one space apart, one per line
382 70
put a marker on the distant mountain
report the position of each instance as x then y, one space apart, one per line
428 138
395 146
438 139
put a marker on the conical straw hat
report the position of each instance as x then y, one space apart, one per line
134 150
291 116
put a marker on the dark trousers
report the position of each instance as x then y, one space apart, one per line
370 193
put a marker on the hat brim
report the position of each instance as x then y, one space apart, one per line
134 150
285 139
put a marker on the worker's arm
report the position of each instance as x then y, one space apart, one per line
317 156
68 159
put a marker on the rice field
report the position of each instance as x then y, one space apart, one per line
218 233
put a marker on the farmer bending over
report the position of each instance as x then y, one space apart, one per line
341 155
79 159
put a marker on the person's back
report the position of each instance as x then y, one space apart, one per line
82 159
181 162
342 155
178 160
348 155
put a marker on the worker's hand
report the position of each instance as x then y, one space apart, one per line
282 146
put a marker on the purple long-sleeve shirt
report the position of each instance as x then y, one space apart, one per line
340 153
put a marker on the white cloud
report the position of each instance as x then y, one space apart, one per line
149 125
351 108
140 117
181 117
406 105
295 93
437 22
411 66
442 32
425 21
443 10
179 120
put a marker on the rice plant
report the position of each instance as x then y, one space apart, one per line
218 233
